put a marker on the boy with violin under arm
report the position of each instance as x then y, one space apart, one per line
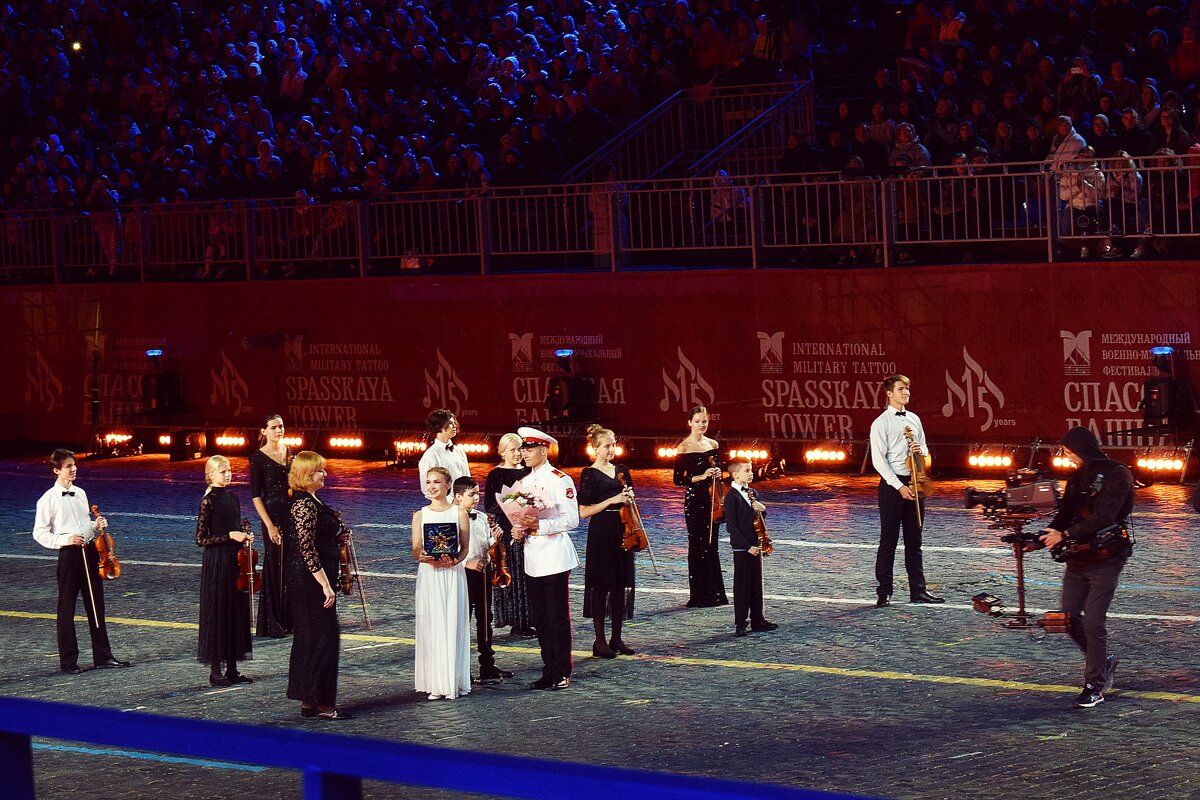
466 497
62 524
740 509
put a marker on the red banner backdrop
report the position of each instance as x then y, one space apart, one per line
995 353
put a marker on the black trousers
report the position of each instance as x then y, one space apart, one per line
747 589
1088 588
550 605
71 577
479 596
895 513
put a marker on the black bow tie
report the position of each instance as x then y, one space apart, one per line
450 445
68 494
900 414
472 514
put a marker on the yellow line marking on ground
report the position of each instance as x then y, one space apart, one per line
986 683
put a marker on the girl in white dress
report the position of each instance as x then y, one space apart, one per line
443 635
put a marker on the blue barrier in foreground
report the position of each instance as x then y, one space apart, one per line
334 766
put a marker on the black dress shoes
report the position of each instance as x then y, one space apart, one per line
883 601
765 625
112 663
561 683
925 597
219 680
542 683
740 631
621 648
237 677
602 650
75 670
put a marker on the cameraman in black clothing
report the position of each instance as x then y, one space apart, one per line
1098 496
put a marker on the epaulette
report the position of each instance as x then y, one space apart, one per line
556 472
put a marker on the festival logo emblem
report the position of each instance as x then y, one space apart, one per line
974 392
522 351
770 351
443 388
686 387
293 353
42 385
1077 352
228 387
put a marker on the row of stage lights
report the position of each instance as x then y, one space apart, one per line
826 456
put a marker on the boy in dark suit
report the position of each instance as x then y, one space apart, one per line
747 558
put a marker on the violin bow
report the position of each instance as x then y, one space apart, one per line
88 576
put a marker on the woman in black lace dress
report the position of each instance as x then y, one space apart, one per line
224 611
697 466
609 569
269 493
511 604
311 550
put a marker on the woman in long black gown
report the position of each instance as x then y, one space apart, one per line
510 605
311 550
697 467
269 493
608 572
224 611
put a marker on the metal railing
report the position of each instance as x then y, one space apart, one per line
691 124
1021 211
334 766
753 149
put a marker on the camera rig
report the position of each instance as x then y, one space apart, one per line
1026 498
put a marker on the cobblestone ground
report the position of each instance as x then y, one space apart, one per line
916 702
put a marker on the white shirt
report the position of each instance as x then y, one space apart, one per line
551 551
443 454
59 517
889 447
481 536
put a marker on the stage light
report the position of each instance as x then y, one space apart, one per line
155 353
667 453
117 439
990 458
292 441
409 448
1161 464
229 441
618 451
1062 462
345 442
164 440
751 453
76 46
826 455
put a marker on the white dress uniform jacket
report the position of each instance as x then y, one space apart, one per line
551 550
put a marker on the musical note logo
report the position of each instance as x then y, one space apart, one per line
686 387
972 392
41 384
228 386
444 388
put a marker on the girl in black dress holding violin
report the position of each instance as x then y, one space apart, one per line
224 611
608 573
698 469
269 493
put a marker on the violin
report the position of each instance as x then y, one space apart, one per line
349 573
634 538
918 481
635 533
717 493
249 576
765 546
498 557
110 568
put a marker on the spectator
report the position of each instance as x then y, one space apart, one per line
1125 91
1133 138
1101 138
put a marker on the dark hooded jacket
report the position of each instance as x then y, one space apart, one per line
1099 494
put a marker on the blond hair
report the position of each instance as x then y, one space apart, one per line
211 467
507 439
597 432
304 466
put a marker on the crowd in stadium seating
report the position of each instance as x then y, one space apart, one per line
1085 86
109 101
